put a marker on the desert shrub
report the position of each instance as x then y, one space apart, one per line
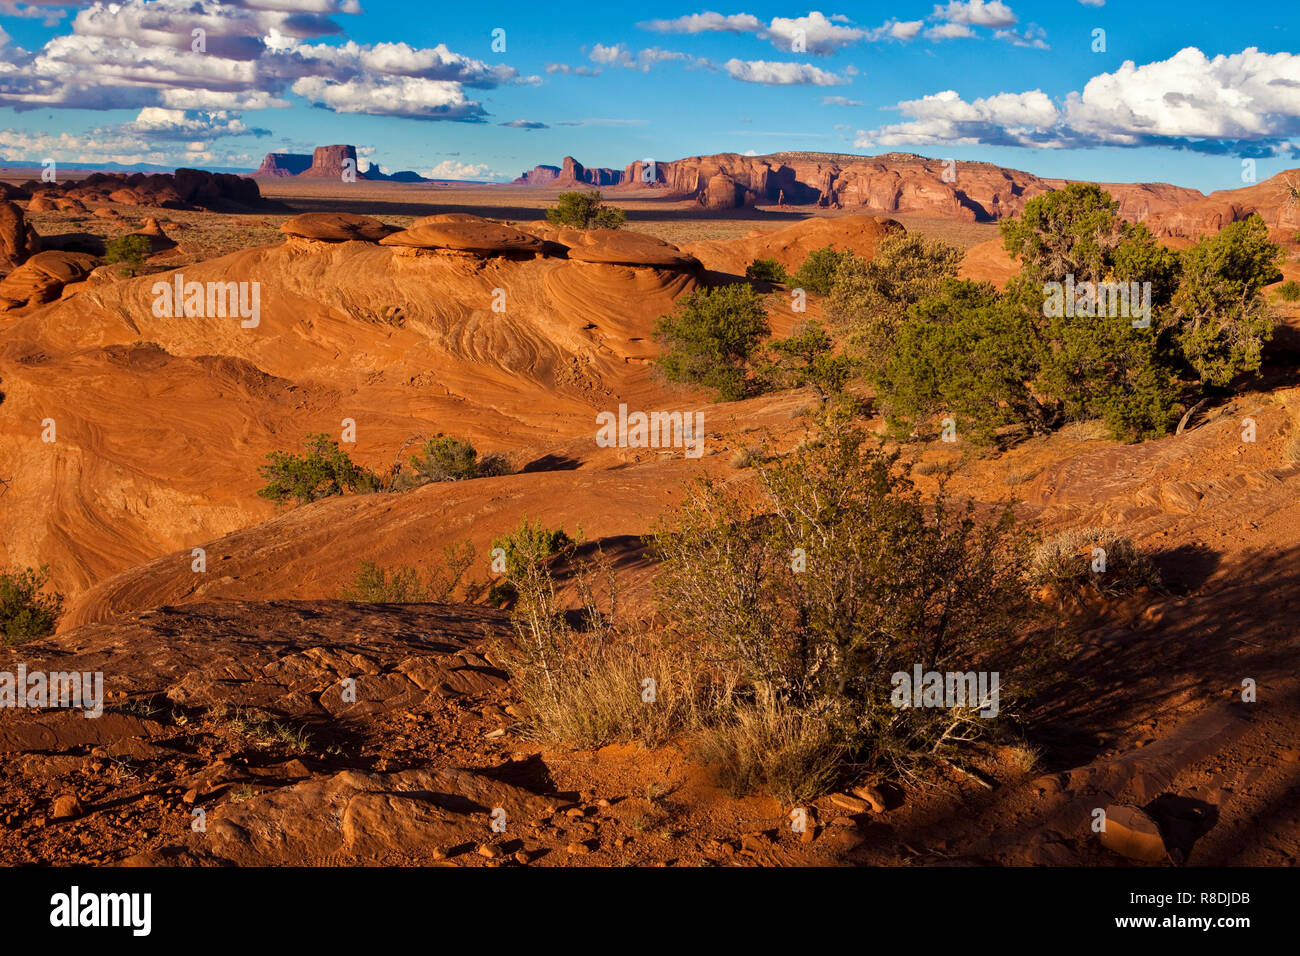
1223 320
585 210
582 684
373 584
835 579
27 609
131 251
967 354
324 470
766 270
1289 291
806 358
1072 231
868 299
712 338
493 465
794 754
1070 560
817 273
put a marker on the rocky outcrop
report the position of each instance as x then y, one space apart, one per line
330 162
336 227
42 278
1272 200
281 165
18 240
481 237
183 189
573 173
538 176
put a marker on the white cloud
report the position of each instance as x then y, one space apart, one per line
451 169
390 96
977 13
707 22
620 55
949 31
781 74
839 101
819 35
1033 37
1244 104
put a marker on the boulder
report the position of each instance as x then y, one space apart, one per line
153 233
1132 833
336 227
481 238
17 239
42 278
619 247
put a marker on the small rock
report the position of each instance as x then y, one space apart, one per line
603 803
438 853
574 812
66 805
489 850
523 857
873 797
1132 833
808 834
755 842
852 804
578 849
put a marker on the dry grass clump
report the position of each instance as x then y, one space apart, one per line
792 754
1096 558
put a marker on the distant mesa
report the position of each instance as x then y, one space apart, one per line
184 189
894 183
328 162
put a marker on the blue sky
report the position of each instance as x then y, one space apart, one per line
1182 92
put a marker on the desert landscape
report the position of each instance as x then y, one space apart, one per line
790 509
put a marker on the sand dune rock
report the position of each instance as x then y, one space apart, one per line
42 277
620 247
481 238
790 246
336 227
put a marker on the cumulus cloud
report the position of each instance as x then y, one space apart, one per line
815 33
1244 104
620 55
451 169
781 74
949 31
412 97
139 54
977 13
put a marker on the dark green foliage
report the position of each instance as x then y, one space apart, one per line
322 471
817 274
967 354
1223 321
1073 231
131 251
27 611
712 338
807 358
585 210
766 270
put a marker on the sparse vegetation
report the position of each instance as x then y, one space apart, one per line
27 609
766 270
1093 558
817 272
1289 291
712 339
585 210
405 585
130 251
806 358
444 458
324 470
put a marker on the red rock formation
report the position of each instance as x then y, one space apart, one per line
1272 200
18 240
328 162
280 165
184 189
538 176
575 174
